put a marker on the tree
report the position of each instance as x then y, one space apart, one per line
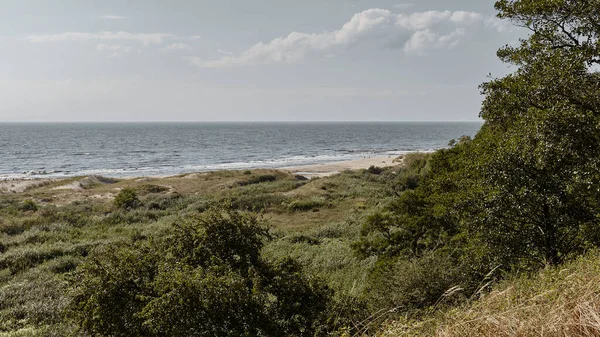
538 154
525 191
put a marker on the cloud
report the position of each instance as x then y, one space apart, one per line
176 47
143 38
113 17
502 26
423 20
425 40
113 50
224 52
416 32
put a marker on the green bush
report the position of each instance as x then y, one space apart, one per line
305 205
34 298
149 188
29 206
375 170
266 178
413 285
126 199
207 279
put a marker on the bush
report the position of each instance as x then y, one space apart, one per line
29 205
126 199
35 298
412 285
305 205
258 179
149 188
375 170
208 278
305 239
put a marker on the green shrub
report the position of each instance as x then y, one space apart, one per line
304 239
161 202
411 286
266 178
375 170
208 278
305 205
149 188
29 206
63 264
33 299
126 199
13 227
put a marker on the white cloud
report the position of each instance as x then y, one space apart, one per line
425 40
113 50
502 26
417 32
113 17
143 38
423 20
176 47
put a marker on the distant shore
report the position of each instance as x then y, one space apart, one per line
17 185
327 169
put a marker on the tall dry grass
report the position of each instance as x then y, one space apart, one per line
562 301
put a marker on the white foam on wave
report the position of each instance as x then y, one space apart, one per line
166 170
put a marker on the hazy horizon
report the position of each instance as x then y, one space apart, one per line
244 122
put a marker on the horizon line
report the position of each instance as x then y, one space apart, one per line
253 121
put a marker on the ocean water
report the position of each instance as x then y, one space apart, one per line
146 149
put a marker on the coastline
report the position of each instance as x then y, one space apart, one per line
328 169
18 185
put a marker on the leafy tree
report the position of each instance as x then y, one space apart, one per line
538 154
207 279
525 191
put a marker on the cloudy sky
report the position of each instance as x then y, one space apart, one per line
247 60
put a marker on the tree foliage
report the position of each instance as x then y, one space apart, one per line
525 191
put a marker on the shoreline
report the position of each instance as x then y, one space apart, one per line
328 169
18 185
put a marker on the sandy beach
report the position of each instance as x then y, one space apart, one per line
327 169
309 171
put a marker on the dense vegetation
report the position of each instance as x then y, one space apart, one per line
417 248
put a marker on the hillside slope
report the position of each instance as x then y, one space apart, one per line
562 301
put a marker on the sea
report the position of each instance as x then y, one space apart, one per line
38 150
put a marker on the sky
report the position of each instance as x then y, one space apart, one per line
247 60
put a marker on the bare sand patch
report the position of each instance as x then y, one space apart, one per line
327 169
21 185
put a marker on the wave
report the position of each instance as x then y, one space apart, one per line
164 170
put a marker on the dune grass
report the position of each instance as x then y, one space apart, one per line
556 302
47 230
